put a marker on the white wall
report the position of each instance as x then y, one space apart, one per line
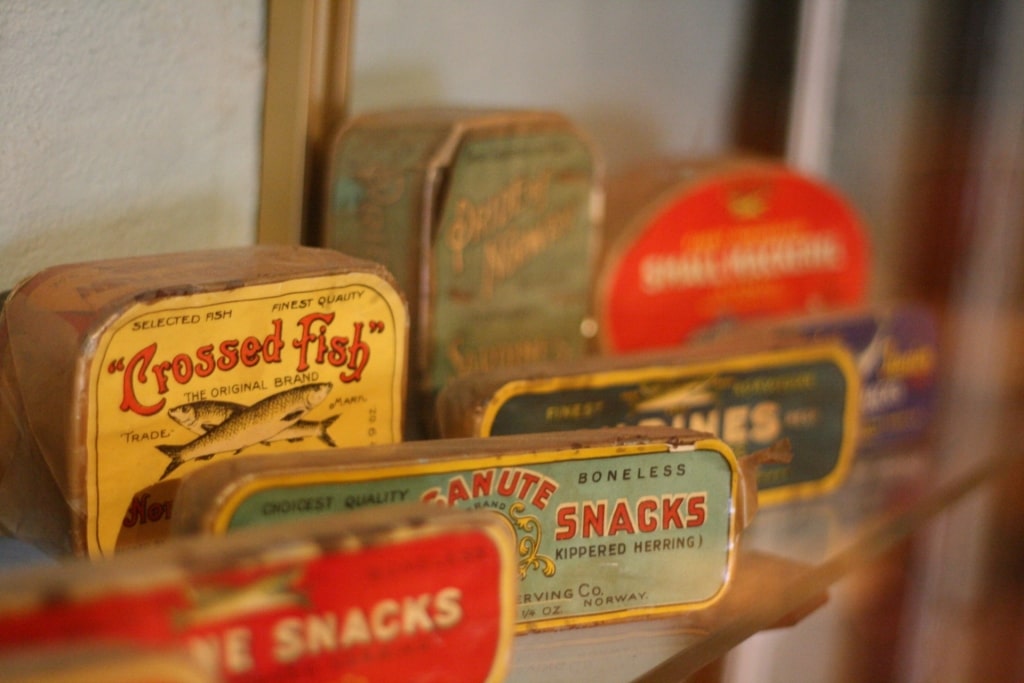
134 127
640 80
127 127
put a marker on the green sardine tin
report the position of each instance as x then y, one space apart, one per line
518 211
473 211
807 393
605 531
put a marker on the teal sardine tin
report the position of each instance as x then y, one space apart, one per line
610 524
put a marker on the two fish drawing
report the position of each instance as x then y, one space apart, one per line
224 427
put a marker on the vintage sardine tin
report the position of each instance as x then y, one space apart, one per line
610 524
896 351
411 593
691 243
122 375
473 210
746 395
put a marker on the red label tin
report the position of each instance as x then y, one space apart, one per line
422 601
751 241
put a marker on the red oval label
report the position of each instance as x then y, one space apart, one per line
747 243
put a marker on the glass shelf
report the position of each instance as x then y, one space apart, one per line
788 559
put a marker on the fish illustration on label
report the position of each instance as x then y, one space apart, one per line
218 602
258 423
200 417
680 397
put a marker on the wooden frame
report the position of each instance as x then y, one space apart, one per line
308 46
